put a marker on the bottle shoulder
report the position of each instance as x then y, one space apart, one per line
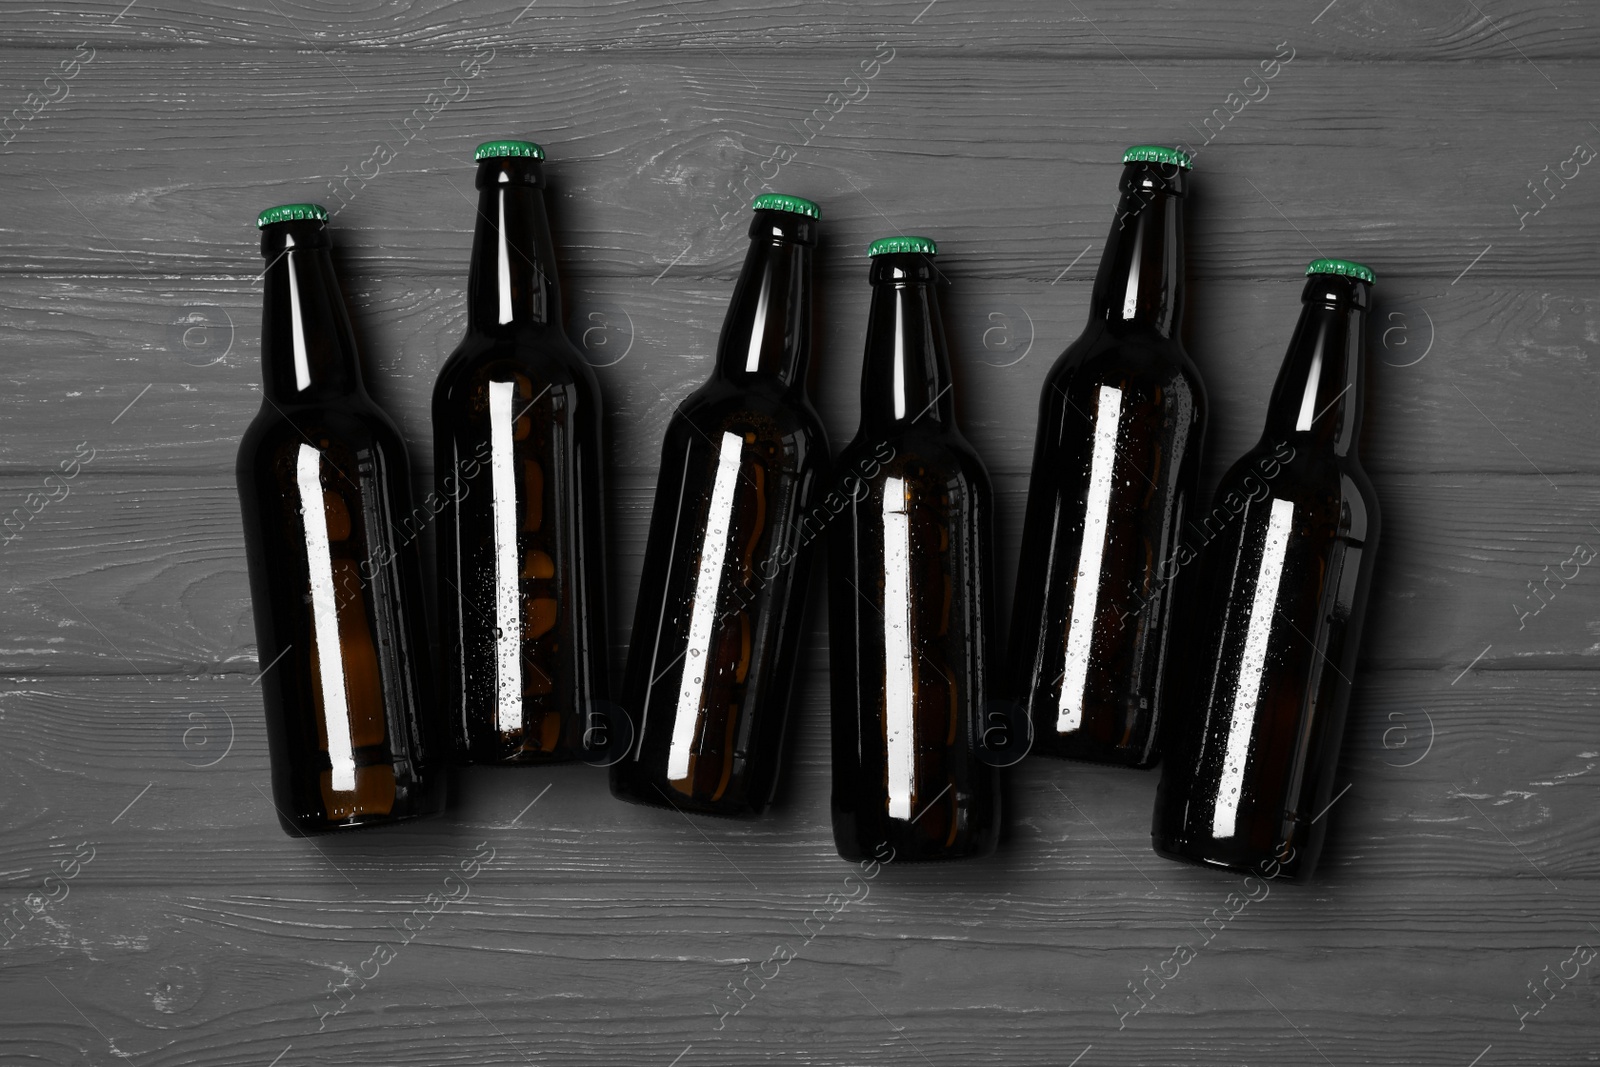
942 454
546 356
357 423
1102 356
1288 469
777 412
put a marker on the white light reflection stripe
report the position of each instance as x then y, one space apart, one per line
1130 299
708 583
899 357
297 326
1253 662
752 356
507 602
325 618
503 263
1308 399
899 690
1086 589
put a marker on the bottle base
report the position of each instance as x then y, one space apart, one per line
319 827
654 796
945 857
854 846
1237 861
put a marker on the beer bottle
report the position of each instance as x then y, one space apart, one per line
716 628
909 593
336 585
1116 467
517 446
1283 570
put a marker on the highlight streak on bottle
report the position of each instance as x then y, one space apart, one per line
1130 299
325 618
1253 662
1308 399
1086 588
297 324
503 266
708 583
899 686
899 360
507 604
752 356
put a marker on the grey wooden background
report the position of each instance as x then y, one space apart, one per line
1464 857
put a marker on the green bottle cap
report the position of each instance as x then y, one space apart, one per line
292 213
1155 153
884 246
784 202
1342 266
508 149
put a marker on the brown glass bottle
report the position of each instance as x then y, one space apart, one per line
1116 467
517 462
722 598
909 592
1283 568
336 588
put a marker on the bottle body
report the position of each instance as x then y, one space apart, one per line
721 605
336 589
909 634
1116 468
517 444
518 465
910 600
1283 576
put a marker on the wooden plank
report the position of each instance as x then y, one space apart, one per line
1460 379
520 994
1496 783
147 574
1543 29
655 162
1048 934
1464 858
1011 984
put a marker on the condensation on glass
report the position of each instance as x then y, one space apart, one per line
1282 585
1116 468
717 623
517 453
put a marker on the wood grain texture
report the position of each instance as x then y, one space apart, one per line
895 1000
146 574
1431 30
656 161
1463 378
1464 860
1516 744
631 921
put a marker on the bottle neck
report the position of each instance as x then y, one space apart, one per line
308 350
905 376
767 333
1319 393
1140 283
512 283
